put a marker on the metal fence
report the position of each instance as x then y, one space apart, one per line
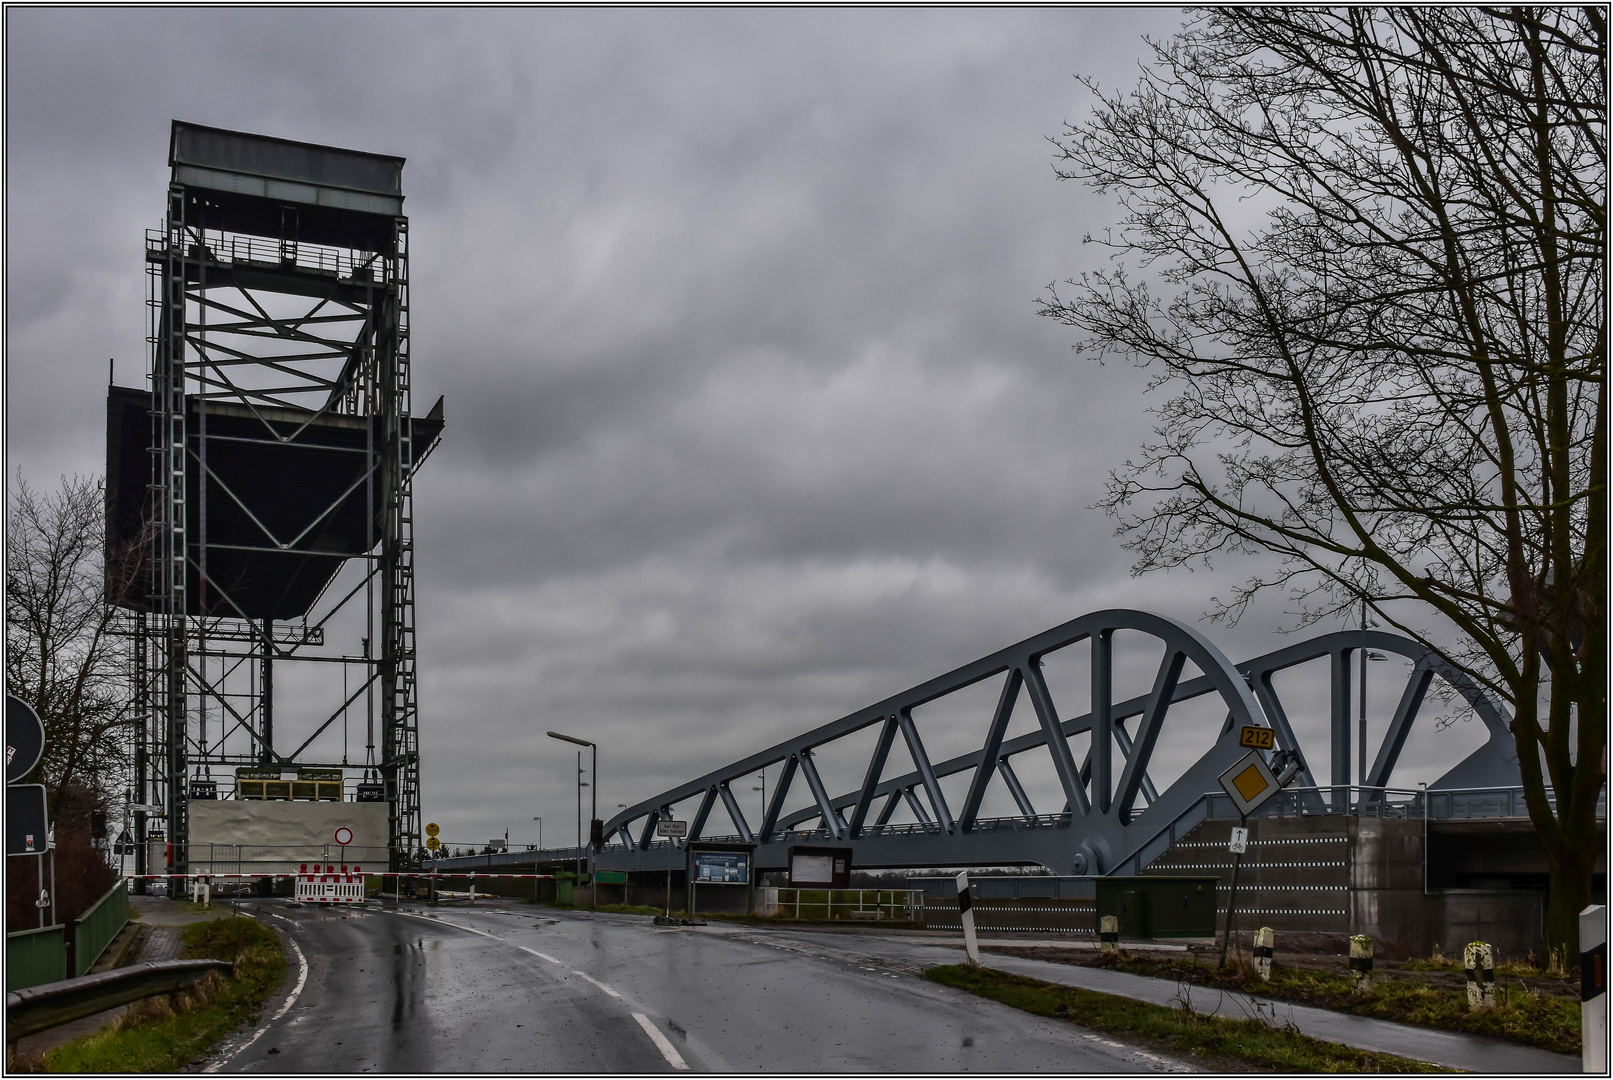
239 248
94 930
34 957
248 860
896 905
1385 802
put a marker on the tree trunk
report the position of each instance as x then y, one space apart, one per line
1569 894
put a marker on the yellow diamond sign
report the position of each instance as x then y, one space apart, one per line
1249 782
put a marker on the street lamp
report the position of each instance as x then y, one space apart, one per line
540 832
763 790
594 813
1361 726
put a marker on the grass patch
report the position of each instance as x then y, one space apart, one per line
1521 1014
622 909
165 1033
1246 1044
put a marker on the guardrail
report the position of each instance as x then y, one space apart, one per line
902 905
94 930
39 1008
36 956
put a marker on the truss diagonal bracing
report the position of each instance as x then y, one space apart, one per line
1109 814
266 479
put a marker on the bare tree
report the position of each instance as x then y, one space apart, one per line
1374 250
62 656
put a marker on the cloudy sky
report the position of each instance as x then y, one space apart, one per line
751 419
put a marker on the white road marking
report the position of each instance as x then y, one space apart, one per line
523 948
597 983
456 926
302 980
662 1043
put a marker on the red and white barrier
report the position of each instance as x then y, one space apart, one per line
328 883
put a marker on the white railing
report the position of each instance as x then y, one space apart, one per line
899 905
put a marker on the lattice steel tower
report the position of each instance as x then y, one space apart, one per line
264 481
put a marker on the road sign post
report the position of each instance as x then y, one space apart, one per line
673 830
1249 783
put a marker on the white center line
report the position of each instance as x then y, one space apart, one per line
523 948
662 1043
597 983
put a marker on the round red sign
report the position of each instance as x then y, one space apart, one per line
344 835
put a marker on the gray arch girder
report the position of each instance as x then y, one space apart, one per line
1108 831
1495 764
1099 823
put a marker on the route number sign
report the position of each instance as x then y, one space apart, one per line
677 829
431 828
1254 737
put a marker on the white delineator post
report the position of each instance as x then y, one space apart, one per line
1480 961
1593 987
1361 962
1265 945
966 913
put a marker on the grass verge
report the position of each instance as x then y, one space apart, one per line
1521 1014
165 1033
1225 1043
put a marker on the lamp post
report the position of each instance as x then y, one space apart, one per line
763 790
1361 726
594 813
540 832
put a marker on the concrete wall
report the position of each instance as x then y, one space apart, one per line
274 837
1350 875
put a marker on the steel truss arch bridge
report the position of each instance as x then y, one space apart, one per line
1114 818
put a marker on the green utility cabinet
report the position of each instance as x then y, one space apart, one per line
1159 907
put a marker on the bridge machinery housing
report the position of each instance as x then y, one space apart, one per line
260 510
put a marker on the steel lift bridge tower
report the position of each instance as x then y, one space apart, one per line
275 446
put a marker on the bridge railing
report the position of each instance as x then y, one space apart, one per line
1443 804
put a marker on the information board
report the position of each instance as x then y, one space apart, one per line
721 867
820 867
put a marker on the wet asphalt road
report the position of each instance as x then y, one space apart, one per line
417 990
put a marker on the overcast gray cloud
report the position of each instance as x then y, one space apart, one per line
751 421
